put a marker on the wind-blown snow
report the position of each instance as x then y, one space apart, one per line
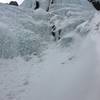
33 66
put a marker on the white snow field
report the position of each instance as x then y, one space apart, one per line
34 65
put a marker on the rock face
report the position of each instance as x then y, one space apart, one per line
95 3
37 5
13 3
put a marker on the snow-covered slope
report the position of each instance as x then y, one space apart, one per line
35 65
21 31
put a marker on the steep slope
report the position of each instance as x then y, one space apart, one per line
65 69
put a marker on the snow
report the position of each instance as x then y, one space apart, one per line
33 66
20 32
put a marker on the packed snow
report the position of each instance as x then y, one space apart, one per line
50 55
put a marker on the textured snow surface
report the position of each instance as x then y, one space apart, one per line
35 66
21 31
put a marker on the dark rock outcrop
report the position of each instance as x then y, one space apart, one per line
95 3
13 3
37 5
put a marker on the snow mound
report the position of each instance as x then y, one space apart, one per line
21 33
